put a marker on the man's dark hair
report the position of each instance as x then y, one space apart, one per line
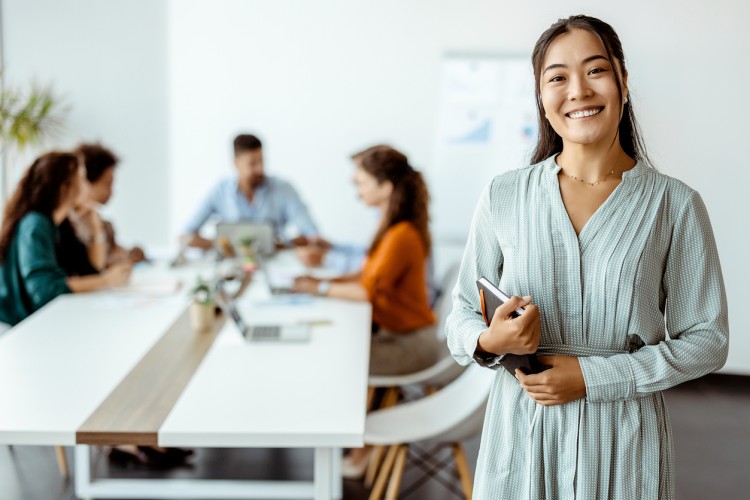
96 158
246 142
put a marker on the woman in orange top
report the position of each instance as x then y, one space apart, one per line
393 275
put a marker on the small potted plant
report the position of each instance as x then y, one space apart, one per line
203 306
248 253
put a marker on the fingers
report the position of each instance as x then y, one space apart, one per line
319 242
305 284
506 310
539 392
558 385
533 381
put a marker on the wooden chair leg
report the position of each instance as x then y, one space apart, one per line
394 486
390 398
467 483
385 472
376 458
370 398
62 461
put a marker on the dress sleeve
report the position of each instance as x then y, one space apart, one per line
42 276
695 314
482 257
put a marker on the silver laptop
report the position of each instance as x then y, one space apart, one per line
275 286
260 333
235 235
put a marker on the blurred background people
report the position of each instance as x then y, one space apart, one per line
251 195
92 230
30 273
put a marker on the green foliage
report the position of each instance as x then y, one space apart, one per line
29 117
246 241
202 292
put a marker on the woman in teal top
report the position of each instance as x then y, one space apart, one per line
30 275
617 268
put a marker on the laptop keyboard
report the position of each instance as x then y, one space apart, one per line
265 332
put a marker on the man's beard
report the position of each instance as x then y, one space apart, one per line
257 181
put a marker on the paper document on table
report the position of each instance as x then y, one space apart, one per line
153 285
298 299
116 302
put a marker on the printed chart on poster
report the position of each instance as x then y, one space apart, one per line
487 125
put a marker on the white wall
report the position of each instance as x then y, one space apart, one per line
318 80
109 62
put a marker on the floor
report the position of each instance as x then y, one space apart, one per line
710 419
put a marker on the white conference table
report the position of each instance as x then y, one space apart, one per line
76 372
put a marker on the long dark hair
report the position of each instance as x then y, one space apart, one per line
40 190
96 158
410 197
549 142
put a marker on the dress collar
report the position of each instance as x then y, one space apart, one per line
639 169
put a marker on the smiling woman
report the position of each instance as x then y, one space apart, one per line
607 254
581 61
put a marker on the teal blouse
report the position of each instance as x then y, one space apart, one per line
638 296
30 275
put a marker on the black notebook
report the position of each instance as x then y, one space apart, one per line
490 298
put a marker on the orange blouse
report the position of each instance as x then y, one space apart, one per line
394 277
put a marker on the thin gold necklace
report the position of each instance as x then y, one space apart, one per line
592 184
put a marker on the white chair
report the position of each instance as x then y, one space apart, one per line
445 369
446 417
440 373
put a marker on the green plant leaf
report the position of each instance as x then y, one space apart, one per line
30 117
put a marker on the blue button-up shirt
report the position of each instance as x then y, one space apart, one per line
275 201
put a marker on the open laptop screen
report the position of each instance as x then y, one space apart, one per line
235 236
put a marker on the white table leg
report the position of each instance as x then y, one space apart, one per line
337 486
83 471
323 474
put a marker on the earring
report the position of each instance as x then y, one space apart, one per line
626 100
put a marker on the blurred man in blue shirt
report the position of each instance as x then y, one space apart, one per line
250 195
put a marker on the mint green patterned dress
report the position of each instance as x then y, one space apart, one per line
638 296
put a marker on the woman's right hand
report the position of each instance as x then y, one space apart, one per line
311 255
118 274
87 213
306 284
508 335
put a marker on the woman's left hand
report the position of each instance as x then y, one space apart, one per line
562 383
306 284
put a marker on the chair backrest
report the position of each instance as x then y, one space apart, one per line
452 413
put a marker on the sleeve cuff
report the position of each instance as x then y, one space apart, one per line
470 345
608 379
